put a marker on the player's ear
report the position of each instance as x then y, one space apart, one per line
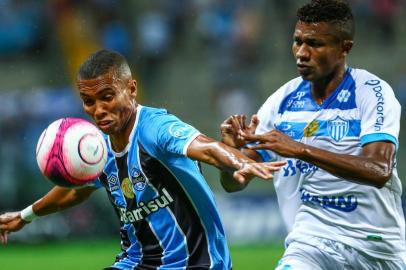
132 86
347 46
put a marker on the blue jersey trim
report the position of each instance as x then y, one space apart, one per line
376 137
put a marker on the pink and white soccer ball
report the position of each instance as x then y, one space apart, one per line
71 152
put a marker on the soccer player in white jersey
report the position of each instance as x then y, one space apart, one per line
167 213
337 127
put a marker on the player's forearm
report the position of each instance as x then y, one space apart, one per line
360 169
227 158
59 199
214 153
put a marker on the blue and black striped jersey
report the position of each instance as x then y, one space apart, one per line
167 212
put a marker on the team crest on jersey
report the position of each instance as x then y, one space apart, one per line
127 188
344 95
137 179
113 182
311 128
337 128
180 130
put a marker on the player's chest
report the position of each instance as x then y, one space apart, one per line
125 181
320 126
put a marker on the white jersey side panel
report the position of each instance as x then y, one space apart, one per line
287 191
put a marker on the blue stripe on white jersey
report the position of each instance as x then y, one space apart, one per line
295 129
302 99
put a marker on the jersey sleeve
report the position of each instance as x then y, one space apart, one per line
379 112
170 134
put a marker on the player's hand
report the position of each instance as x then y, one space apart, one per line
276 141
262 170
231 127
10 222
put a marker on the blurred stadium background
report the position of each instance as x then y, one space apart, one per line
201 59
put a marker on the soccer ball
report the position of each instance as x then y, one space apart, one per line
71 152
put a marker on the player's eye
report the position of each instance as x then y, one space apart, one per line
88 102
108 97
314 43
297 42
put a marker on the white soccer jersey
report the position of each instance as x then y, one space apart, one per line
361 110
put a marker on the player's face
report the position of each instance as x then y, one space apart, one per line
318 51
110 101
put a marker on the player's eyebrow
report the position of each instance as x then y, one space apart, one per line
98 92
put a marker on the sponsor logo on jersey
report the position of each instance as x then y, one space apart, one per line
311 128
287 129
380 103
145 209
338 128
181 130
127 188
344 203
137 179
113 182
299 95
294 165
296 102
344 95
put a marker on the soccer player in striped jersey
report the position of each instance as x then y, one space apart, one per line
337 128
167 213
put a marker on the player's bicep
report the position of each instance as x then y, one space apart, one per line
200 148
380 151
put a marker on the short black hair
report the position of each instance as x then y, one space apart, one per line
101 62
337 12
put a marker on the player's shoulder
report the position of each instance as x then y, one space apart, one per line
151 115
290 86
149 112
366 80
285 90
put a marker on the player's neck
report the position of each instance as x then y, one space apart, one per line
324 87
120 141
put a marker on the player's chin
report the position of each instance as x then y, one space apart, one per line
108 129
306 76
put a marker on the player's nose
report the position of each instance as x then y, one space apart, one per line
99 111
302 53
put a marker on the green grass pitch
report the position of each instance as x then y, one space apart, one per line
89 255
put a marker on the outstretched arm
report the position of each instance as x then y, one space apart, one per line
230 136
228 159
55 200
372 167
